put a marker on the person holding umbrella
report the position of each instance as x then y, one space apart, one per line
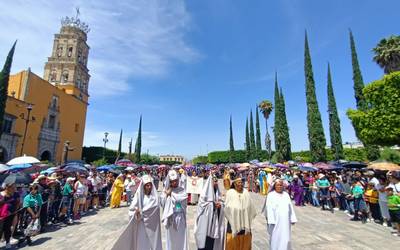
9 204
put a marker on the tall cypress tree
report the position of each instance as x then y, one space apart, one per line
334 122
231 144
4 77
357 77
286 145
258 134
138 146
316 134
119 147
252 138
372 150
277 119
247 139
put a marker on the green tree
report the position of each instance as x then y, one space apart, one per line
316 134
252 138
334 122
286 145
277 121
379 125
266 108
4 76
387 54
231 144
202 159
372 150
258 133
119 146
138 146
247 139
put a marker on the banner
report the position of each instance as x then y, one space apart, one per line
194 185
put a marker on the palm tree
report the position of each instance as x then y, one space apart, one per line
266 109
387 54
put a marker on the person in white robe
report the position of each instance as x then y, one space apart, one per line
280 217
209 228
143 230
174 203
239 212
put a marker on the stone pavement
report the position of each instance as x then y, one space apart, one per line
316 229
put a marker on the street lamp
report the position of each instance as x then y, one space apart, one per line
27 120
105 140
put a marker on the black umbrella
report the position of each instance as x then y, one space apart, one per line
354 164
18 178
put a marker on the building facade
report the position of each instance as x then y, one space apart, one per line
43 115
172 158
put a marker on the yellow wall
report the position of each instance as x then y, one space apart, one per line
40 93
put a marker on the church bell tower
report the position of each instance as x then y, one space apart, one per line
66 68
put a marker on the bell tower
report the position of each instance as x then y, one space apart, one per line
66 68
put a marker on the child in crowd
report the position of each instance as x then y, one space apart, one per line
394 207
371 196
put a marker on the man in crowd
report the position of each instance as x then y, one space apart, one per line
174 203
209 227
240 212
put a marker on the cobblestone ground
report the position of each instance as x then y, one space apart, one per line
316 229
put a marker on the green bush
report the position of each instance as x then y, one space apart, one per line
201 159
391 155
239 156
350 154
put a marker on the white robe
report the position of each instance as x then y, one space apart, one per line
280 215
174 218
142 232
209 222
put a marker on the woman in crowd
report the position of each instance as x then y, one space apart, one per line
239 212
32 203
280 216
80 193
117 190
9 204
67 200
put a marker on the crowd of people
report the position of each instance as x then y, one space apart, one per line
60 198
364 195
224 214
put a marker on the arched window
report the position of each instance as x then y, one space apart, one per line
78 81
53 75
65 76
59 51
69 51
79 55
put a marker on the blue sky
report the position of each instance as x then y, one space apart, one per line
186 66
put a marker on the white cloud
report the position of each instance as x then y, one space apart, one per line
128 39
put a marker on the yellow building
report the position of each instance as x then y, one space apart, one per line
45 115
172 158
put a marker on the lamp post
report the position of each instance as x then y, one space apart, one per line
27 120
105 140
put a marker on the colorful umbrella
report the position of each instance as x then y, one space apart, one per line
383 165
23 160
19 167
19 178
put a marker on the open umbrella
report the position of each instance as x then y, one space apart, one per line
19 178
75 168
384 165
19 167
106 168
23 160
3 168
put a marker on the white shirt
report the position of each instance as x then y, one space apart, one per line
96 181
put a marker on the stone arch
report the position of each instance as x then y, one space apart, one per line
45 156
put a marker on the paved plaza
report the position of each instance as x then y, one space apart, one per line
316 229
